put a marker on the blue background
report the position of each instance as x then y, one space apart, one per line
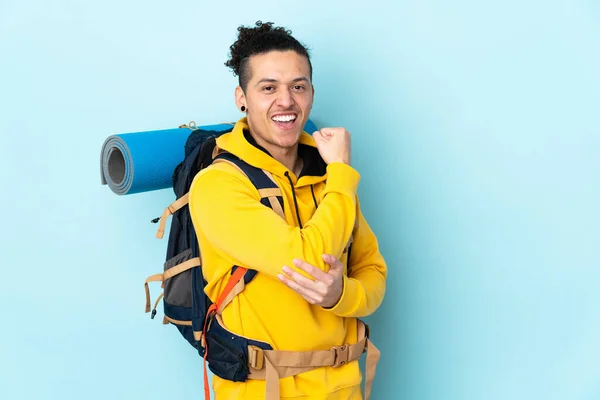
475 129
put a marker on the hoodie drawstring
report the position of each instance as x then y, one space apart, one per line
312 190
287 174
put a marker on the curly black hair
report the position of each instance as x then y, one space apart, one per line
258 40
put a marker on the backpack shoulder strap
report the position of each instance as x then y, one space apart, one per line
262 180
271 196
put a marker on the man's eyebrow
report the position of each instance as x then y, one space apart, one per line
264 80
271 80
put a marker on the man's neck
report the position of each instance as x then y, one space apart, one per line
286 156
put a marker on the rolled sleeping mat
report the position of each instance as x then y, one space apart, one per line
145 161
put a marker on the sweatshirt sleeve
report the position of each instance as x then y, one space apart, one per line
225 207
364 286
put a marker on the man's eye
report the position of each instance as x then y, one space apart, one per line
299 87
269 88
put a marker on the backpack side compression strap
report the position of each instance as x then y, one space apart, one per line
175 206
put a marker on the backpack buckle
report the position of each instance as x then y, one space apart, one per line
341 354
256 357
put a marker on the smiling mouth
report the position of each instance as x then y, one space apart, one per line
285 121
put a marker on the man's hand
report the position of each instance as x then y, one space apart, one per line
334 145
325 290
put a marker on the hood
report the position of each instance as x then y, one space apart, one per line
240 143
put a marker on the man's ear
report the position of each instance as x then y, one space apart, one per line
240 99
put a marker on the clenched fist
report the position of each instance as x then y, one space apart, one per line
333 144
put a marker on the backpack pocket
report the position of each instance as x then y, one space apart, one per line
177 281
227 358
228 353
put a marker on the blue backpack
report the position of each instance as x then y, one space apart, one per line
185 304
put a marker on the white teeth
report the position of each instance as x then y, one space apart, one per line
284 118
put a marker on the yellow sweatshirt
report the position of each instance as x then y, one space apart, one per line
234 228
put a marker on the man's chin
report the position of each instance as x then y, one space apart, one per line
288 142
285 135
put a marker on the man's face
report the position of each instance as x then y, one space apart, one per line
279 97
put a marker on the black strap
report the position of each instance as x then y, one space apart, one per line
260 180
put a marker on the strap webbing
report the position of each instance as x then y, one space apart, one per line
171 272
156 303
218 160
184 266
269 192
272 194
153 278
237 289
373 355
272 365
237 275
182 201
276 206
270 176
166 320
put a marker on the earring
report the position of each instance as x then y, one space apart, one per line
243 108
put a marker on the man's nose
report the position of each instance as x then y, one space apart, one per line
285 99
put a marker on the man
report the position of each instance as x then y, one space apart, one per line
306 295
